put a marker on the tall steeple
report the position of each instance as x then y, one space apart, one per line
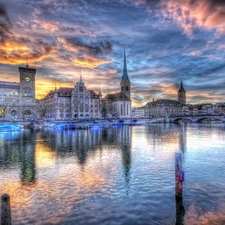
80 76
181 87
99 92
125 82
182 94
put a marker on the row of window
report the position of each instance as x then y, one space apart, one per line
86 110
13 102
7 93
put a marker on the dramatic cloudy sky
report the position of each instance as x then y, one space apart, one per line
166 40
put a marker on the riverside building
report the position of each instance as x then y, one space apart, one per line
17 100
71 103
167 107
119 104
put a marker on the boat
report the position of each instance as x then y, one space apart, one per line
137 122
95 125
82 125
117 123
10 128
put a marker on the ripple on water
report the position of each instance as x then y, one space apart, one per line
119 176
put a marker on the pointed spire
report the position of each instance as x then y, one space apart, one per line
27 60
99 92
55 85
125 75
81 76
181 87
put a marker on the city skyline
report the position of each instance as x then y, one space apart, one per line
166 41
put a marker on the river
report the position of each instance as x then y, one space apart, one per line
115 176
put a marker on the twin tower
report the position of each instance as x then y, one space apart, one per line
125 84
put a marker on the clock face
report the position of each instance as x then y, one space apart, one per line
27 79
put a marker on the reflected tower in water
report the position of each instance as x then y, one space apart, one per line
183 138
27 154
78 142
19 148
124 138
180 210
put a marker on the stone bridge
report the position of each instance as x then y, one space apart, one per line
198 119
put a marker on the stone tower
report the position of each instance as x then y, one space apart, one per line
125 82
182 94
27 82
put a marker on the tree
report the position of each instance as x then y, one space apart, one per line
6 105
41 107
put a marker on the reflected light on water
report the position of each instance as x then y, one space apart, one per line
119 175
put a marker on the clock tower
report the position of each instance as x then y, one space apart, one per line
27 82
182 94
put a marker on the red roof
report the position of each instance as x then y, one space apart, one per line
63 91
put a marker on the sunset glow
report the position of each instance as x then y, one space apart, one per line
166 40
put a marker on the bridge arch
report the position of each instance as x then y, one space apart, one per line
181 119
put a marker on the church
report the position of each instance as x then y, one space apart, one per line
119 104
167 107
17 100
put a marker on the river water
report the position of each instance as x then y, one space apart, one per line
115 176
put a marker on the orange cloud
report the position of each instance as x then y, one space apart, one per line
20 57
111 71
193 14
50 27
10 46
90 62
69 46
37 25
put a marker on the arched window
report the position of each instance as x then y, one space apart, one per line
27 92
14 113
81 99
14 102
27 102
27 112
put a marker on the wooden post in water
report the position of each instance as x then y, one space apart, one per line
179 174
179 178
5 210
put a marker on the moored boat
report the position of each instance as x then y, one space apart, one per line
9 128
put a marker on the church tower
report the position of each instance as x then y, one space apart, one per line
125 82
182 94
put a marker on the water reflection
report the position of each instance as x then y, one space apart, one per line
180 211
19 148
120 175
126 140
27 157
183 138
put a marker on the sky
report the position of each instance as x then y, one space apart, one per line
166 41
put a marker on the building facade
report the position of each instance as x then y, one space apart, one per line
138 112
17 100
71 103
163 108
167 107
119 104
